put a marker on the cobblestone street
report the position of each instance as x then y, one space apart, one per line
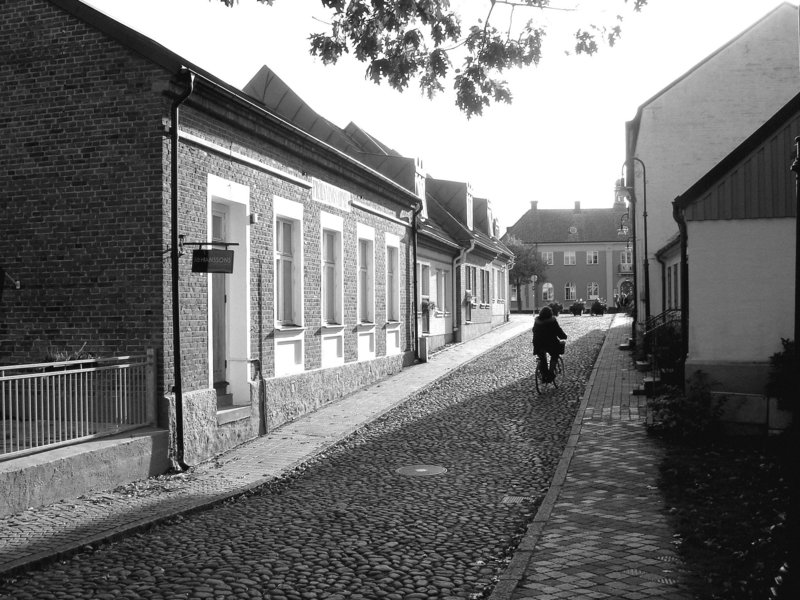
348 524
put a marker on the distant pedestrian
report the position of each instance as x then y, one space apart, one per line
547 334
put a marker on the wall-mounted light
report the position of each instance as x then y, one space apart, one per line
253 218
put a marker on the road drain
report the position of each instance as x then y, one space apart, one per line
421 470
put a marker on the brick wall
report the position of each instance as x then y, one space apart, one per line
80 143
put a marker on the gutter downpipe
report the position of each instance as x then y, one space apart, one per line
176 313
635 311
414 216
677 214
457 262
663 282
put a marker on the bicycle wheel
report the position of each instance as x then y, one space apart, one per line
537 376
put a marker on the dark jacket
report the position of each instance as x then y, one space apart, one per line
546 333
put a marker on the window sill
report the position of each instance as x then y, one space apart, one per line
332 327
393 322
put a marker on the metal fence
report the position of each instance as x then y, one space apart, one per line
46 405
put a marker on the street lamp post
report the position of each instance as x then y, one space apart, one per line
621 191
646 261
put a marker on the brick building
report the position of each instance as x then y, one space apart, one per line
320 300
586 257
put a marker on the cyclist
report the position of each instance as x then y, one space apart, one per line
546 335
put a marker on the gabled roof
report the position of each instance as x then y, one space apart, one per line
632 126
762 188
552 226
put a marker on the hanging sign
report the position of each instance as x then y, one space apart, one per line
212 261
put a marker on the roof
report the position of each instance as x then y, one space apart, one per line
632 126
553 226
754 180
325 136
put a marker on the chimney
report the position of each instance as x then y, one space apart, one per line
577 206
533 204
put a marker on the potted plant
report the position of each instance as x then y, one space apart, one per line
469 298
556 307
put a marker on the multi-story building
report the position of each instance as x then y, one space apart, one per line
688 127
588 254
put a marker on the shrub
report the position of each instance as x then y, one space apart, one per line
598 307
782 382
693 414
556 307
577 308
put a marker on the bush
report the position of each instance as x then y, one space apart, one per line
691 415
556 307
577 308
598 307
782 381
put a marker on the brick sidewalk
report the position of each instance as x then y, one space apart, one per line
600 531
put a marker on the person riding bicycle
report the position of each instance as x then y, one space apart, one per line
547 334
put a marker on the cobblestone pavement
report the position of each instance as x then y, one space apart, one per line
483 448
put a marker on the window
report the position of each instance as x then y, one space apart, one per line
425 281
331 277
569 291
441 289
500 285
547 258
592 257
287 269
569 257
392 283
471 280
626 257
514 293
366 281
593 290
676 285
485 291
547 292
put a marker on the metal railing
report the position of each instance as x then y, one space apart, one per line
46 405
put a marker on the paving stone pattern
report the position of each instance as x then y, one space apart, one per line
345 524
601 532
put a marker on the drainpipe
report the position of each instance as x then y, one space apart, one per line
414 216
677 214
510 265
663 283
176 313
457 262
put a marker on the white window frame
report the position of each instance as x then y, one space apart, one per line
569 257
392 278
441 290
593 290
331 227
366 274
570 292
547 257
592 257
500 285
486 291
288 212
548 292
626 257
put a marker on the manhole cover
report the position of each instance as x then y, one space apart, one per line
419 470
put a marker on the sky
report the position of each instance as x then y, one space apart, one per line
560 141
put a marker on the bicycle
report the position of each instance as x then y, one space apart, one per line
558 373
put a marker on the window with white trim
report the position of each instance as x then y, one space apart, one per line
288 269
547 258
366 281
569 291
392 283
569 257
592 257
472 281
485 291
626 257
593 290
331 277
500 285
441 289
547 292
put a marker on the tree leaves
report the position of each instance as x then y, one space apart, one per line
404 40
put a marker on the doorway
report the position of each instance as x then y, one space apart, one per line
219 312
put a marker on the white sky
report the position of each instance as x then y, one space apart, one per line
560 141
